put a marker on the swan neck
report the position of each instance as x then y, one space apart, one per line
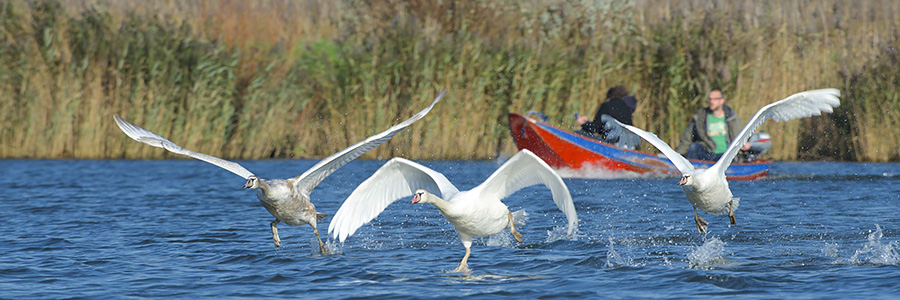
438 202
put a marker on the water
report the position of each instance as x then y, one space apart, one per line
180 229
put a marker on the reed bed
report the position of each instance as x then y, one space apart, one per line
279 78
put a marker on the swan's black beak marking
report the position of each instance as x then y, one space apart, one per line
249 183
684 179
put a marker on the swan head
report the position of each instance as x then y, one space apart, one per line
421 196
686 179
252 182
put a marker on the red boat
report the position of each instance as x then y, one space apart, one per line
563 149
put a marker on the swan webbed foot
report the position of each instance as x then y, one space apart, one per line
463 267
701 223
322 246
512 229
275 233
731 212
516 235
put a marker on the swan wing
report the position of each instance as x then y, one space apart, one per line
681 163
148 137
796 106
397 179
312 177
523 170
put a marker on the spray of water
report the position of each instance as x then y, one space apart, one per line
707 255
334 247
599 172
875 252
520 217
502 239
557 233
830 250
614 259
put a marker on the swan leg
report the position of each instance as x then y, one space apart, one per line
321 244
731 212
512 229
275 233
463 266
701 223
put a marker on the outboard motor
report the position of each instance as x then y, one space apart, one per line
760 142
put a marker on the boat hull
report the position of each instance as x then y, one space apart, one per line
562 149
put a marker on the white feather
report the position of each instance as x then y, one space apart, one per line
287 200
708 188
476 212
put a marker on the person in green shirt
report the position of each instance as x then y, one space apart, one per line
711 130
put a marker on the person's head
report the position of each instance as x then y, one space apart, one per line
716 100
616 92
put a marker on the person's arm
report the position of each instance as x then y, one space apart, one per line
580 120
687 138
734 128
594 126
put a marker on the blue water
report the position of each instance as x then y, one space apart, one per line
186 229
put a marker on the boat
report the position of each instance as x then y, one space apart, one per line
566 150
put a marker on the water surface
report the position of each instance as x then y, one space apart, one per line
184 228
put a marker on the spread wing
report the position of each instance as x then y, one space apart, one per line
681 163
397 179
148 137
312 177
523 170
799 105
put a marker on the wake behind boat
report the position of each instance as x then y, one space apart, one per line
563 149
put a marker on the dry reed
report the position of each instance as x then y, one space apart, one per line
278 78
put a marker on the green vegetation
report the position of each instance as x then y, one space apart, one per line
280 78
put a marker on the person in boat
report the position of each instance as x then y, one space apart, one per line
620 106
710 130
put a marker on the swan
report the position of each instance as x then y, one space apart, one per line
707 189
286 199
478 212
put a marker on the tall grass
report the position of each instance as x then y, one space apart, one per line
278 78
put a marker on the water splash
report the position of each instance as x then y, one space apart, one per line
369 243
502 239
614 259
505 238
333 247
875 252
830 250
707 255
557 233
600 172
520 217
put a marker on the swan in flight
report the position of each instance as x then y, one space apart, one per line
478 212
707 189
286 199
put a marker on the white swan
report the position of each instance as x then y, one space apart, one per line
707 189
286 199
474 213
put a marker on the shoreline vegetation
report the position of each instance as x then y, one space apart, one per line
280 78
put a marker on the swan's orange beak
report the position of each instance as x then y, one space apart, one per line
416 199
683 180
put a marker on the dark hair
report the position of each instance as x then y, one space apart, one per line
616 92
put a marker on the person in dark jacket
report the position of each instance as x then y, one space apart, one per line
711 130
620 106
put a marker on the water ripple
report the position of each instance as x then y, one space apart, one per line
144 235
